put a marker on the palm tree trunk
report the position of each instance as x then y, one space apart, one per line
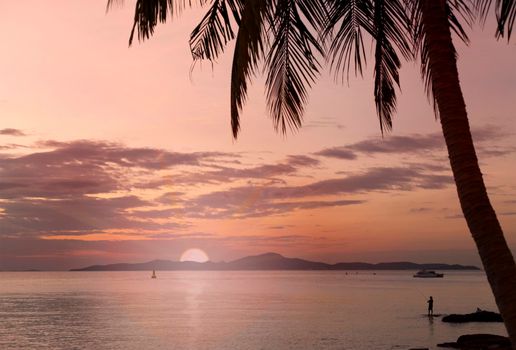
480 216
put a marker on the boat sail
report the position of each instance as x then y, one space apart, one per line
153 274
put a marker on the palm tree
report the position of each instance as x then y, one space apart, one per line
281 34
439 66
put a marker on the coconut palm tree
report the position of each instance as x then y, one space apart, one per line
439 66
285 35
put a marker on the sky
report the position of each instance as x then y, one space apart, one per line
116 154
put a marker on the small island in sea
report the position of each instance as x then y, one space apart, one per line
269 262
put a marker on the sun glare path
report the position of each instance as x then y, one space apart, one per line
194 254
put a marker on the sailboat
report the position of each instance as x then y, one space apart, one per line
153 274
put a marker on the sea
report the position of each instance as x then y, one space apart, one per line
197 310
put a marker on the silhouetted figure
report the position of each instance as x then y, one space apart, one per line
430 306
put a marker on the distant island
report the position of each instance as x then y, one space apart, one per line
267 261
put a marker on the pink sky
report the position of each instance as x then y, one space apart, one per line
110 153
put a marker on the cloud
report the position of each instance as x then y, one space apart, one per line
12 132
83 187
416 144
170 197
324 122
261 208
11 146
454 216
240 207
182 236
373 179
400 144
420 210
87 167
279 227
338 152
267 240
253 201
108 153
302 160
291 166
77 216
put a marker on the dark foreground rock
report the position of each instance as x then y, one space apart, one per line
479 342
479 316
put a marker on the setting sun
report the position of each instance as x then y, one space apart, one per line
194 254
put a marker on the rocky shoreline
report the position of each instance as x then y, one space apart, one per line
479 342
478 316
476 342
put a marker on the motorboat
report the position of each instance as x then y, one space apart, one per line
428 274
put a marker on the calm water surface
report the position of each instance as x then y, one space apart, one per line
235 310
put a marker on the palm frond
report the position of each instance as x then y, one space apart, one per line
316 12
347 44
457 10
506 17
148 13
250 41
482 9
505 12
112 3
414 8
391 26
454 10
211 35
291 64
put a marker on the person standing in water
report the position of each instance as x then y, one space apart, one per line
430 306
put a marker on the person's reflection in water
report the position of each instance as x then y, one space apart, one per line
431 324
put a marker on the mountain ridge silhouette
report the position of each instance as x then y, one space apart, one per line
269 262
